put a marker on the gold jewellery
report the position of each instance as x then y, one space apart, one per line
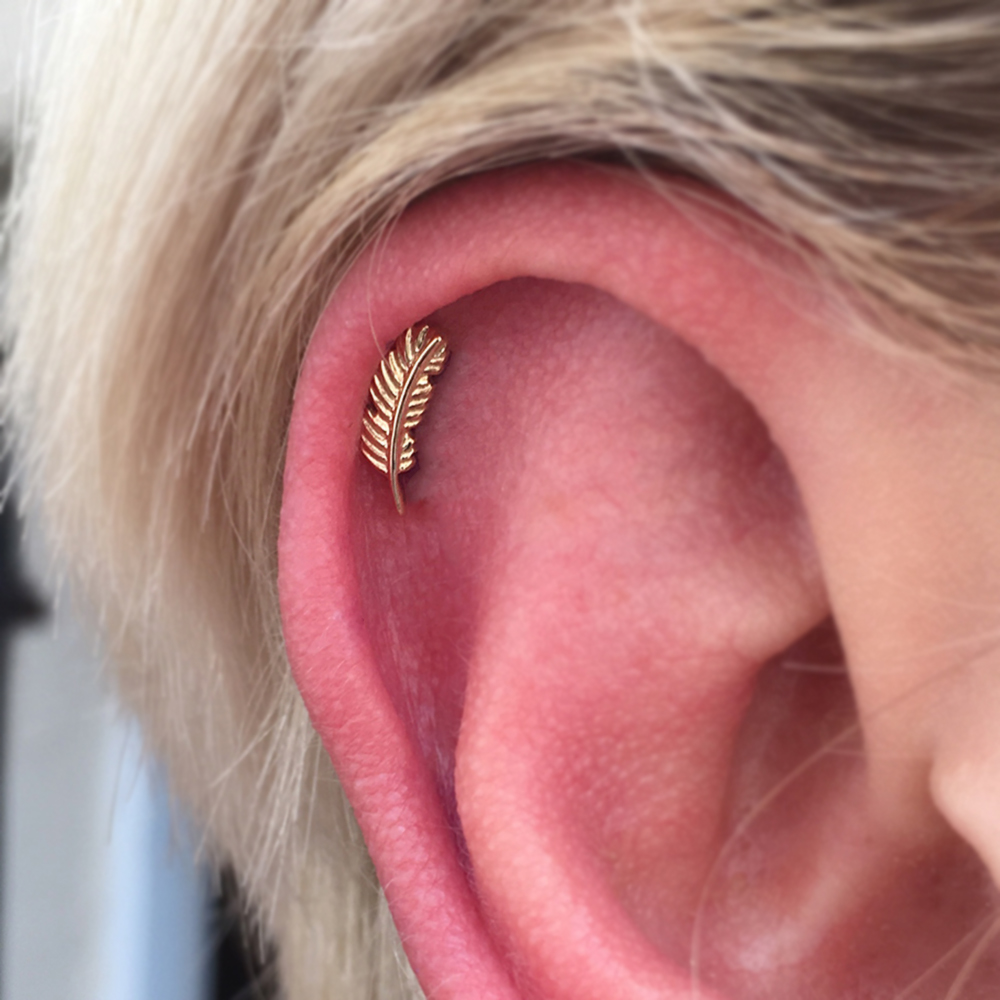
399 393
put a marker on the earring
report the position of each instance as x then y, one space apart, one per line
400 391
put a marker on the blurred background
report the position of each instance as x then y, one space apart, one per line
102 896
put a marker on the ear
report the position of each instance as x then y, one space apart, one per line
585 697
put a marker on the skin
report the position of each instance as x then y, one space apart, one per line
564 693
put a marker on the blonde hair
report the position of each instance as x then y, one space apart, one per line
202 173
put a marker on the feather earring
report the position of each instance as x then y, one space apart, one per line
400 391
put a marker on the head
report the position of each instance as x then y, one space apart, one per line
676 678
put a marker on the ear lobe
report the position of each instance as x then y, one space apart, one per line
534 685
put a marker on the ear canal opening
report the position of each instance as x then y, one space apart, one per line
834 901
820 650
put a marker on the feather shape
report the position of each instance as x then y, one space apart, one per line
400 392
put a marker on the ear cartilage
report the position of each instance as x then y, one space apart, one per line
400 391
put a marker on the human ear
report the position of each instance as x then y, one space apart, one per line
573 694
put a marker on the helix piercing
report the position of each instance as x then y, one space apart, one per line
400 392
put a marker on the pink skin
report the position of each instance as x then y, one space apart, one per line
545 672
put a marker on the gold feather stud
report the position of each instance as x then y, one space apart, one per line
399 394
